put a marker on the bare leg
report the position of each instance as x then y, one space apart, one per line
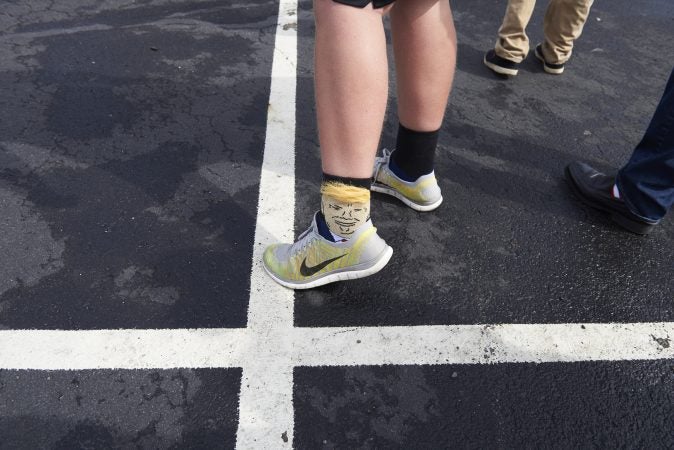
351 76
424 42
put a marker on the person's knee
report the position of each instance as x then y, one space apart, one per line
325 10
400 5
412 9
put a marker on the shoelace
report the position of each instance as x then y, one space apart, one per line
381 161
302 242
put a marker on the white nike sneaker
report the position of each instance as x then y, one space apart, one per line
422 195
313 261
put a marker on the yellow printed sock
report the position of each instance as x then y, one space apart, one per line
344 207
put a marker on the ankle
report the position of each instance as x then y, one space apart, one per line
345 205
415 153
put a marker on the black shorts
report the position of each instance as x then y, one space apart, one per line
364 3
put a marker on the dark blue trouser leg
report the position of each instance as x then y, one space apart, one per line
646 182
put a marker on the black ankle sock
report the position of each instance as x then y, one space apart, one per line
414 155
364 183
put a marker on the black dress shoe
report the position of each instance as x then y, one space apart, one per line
500 65
596 189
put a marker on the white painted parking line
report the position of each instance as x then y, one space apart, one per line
266 415
482 344
121 349
413 345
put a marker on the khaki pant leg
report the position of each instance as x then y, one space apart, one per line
563 24
513 43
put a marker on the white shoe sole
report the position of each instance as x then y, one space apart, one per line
499 69
383 189
549 70
384 258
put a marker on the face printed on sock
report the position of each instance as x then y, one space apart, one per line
344 218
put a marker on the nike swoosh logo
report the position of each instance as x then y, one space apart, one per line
307 271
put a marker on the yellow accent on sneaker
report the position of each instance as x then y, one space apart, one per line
314 261
422 195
